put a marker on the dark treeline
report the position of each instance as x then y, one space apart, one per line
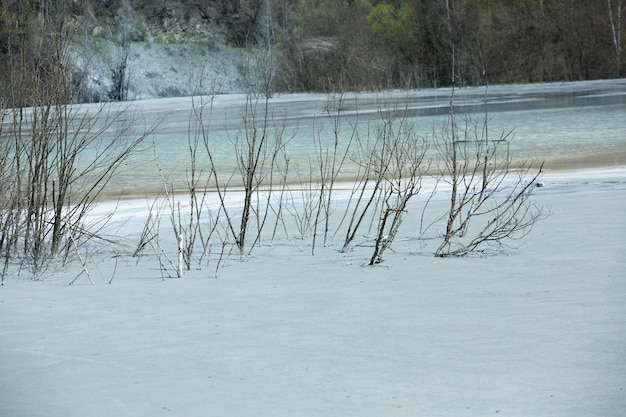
322 45
395 43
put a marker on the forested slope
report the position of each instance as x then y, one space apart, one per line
316 45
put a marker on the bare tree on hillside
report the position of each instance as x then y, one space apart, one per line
59 157
125 33
616 11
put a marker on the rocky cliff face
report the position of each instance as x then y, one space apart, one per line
151 52
154 70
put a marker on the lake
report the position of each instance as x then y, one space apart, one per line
568 125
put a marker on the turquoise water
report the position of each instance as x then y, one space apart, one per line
567 125
570 137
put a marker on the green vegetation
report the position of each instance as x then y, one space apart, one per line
333 45
390 44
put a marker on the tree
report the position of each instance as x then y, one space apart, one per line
616 10
484 184
119 70
400 158
62 155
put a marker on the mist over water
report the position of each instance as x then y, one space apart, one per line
567 125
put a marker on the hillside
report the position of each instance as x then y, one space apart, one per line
121 49
162 49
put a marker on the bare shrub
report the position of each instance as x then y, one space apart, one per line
363 203
302 202
330 161
60 157
489 192
244 194
257 147
401 157
63 158
192 222
390 169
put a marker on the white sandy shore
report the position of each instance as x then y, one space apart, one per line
537 331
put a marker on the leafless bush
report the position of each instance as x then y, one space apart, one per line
302 202
151 237
259 152
191 219
367 190
188 227
489 192
9 216
58 157
330 161
390 168
243 195
63 158
401 156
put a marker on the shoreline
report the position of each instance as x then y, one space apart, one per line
524 332
590 162
588 170
574 180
